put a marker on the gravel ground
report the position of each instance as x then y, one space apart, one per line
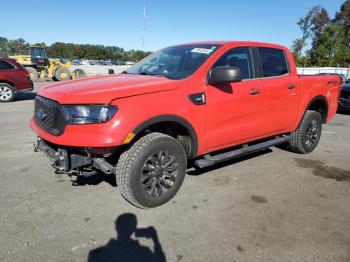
273 206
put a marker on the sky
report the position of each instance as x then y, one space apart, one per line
120 22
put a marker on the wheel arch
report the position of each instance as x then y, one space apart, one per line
319 104
9 83
171 124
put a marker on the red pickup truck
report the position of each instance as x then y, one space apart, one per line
208 101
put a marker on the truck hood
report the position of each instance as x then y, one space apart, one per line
104 89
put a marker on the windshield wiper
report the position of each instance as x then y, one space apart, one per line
145 73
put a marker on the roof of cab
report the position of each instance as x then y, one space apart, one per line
11 60
242 43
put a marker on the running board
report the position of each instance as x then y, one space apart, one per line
209 160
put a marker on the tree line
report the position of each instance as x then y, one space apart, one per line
73 51
324 41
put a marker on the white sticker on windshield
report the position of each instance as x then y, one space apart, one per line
201 50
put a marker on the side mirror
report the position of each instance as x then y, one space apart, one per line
224 74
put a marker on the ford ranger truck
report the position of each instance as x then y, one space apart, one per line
206 102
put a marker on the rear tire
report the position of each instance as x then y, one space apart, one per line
32 73
79 73
305 139
62 74
7 93
151 172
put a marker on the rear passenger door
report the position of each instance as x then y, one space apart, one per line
281 91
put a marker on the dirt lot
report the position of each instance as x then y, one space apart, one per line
273 206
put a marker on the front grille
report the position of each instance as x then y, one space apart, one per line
49 115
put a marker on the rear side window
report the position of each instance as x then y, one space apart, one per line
238 57
5 66
273 62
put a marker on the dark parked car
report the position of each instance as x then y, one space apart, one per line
344 100
13 78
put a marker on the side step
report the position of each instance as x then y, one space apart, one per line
209 160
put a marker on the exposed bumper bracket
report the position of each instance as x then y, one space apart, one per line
64 161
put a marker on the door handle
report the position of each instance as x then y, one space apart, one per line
291 86
254 92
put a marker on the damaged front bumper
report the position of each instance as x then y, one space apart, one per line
72 160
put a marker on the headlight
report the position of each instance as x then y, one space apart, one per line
88 114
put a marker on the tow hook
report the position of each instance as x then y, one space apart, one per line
36 147
102 165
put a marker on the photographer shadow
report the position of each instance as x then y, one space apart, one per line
124 248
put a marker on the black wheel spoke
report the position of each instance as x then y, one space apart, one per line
166 157
153 187
149 167
169 176
172 168
312 133
145 177
148 183
159 173
153 160
170 161
160 156
159 189
164 183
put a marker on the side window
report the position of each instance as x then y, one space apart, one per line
5 66
238 57
273 61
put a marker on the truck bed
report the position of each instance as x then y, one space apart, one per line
322 85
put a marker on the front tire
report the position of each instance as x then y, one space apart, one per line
151 172
7 93
62 74
305 139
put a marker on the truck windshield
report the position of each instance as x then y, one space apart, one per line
175 62
37 52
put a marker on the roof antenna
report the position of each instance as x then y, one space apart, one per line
144 26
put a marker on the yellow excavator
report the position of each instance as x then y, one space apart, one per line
39 66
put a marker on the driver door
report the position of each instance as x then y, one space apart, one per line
234 110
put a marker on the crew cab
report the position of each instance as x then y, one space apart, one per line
208 102
14 78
